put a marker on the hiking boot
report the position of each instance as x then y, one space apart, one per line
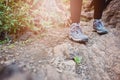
76 34
98 26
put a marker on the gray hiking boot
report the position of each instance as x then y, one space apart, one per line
76 34
98 26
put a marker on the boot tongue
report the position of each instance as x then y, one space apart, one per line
98 23
76 27
75 24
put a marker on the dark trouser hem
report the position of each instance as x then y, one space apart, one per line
99 6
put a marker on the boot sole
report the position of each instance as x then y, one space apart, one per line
80 41
100 32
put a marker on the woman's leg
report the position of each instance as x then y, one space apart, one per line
75 9
75 31
99 6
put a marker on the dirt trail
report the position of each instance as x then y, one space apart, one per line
46 57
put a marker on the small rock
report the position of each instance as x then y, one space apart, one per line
52 74
17 54
35 70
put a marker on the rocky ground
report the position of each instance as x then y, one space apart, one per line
48 57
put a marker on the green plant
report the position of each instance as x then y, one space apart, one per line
4 41
14 17
77 59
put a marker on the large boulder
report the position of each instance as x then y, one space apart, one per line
112 14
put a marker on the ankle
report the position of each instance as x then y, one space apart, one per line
97 20
75 24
